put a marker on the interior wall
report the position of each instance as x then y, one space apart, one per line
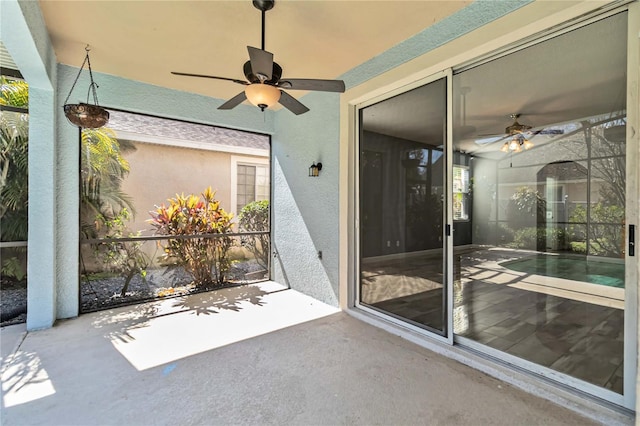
484 207
404 228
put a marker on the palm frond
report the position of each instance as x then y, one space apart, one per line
14 92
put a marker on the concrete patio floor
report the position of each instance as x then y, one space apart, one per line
259 354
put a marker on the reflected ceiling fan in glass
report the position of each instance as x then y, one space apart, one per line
464 129
516 128
519 141
517 144
517 136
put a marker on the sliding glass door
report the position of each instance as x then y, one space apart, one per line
402 195
539 258
534 182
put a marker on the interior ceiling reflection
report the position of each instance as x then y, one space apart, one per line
555 83
563 80
417 115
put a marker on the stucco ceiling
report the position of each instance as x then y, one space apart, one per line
145 40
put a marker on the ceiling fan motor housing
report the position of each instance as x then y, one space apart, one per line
516 127
276 73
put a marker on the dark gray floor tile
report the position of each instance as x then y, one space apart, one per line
591 369
612 326
586 314
489 317
532 349
601 347
570 336
500 344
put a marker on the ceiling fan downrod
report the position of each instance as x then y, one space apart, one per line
263 6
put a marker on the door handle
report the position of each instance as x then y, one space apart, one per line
632 240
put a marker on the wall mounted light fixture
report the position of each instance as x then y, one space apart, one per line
86 115
314 169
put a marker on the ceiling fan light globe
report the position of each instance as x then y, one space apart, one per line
527 144
262 95
514 145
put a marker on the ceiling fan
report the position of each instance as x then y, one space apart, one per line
264 82
518 136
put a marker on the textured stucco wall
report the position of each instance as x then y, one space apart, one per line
305 209
24 34
25 37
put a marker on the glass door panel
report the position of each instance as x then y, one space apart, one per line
402 187
539 257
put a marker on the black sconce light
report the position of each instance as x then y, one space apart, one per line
314 170
86 115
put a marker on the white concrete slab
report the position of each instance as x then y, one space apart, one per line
202 360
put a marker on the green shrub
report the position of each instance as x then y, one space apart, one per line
531 238
505 234
207 258
605 238
12 267
254 217
578 247
124 258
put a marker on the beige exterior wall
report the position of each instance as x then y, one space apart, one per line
159 172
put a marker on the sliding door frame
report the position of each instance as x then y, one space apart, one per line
628 398
447 210
632 208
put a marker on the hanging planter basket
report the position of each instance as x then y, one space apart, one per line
86 115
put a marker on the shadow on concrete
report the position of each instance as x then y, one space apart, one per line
124 320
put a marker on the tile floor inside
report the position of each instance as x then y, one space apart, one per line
572 332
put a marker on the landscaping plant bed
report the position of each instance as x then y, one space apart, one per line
13 301
100 291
